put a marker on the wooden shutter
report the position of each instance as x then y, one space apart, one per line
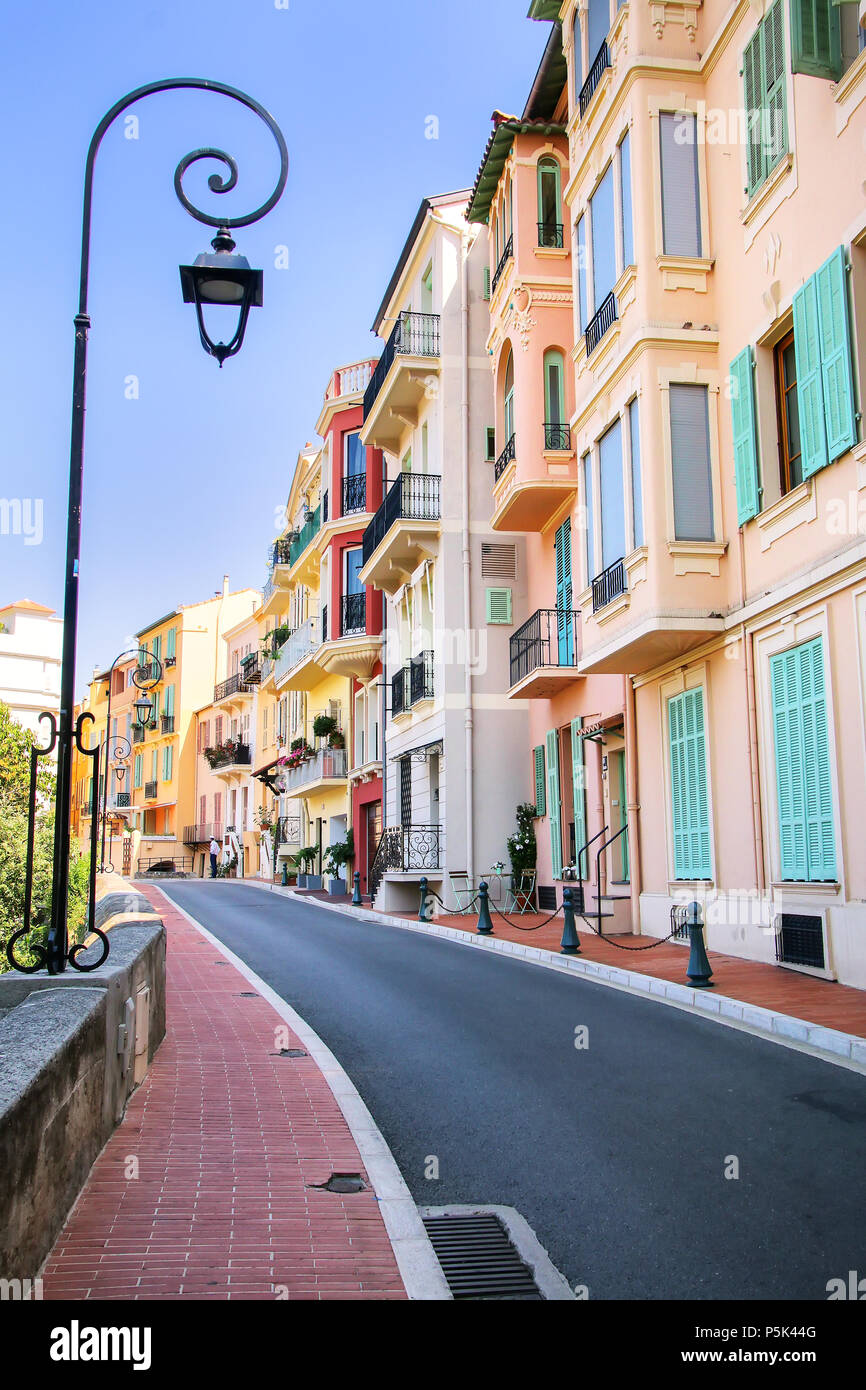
154 765
689 799
137 777
562 546
753 86
803 782
745 441
775 136
837 375
810 391
202 810
816 44
554 803
578 782
498 605
171 642
538 773
169 700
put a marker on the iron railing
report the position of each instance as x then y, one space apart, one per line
550 234
549 638
355 493
150 791
308 531
504 459
202 834
557 436
354 614
413 682
166 723
173 863
251 670
122 800
150 671
288 831
414 496
138 733
601 321
238 755
405 849
602 61
399 692
324 622
296 648
503 261
280 552
236 684
327 762
325 506
608 585
679 922
413 335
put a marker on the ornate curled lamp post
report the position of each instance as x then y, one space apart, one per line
146 676
221 278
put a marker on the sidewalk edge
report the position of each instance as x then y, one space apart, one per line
416 1259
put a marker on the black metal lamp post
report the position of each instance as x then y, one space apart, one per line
120 744
209 281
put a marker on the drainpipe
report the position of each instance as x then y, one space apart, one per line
751 705
632 802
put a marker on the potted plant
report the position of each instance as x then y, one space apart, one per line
336 859
323 725
522 849
303 862
336 739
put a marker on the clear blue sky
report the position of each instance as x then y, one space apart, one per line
181 485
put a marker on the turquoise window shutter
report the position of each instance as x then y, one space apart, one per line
837 374
817 782
689 797
538 773
745 441
816 42
171 642
803 781
810 393
554 803
562 546
578 778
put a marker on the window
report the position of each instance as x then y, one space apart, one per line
154 765
689 800
508 402
427 290
588 506
853 37
636 486
598 24
582 263
490 449
355 456
742 388
764 99
498 560
803 780
549 203
612 496
578 793
167 763
681 206
816 37
790 457
554 390
171 644
136 781
825 378
690 463
603 239
625 200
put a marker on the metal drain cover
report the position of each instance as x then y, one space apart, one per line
341 1182
478 1259
290 1052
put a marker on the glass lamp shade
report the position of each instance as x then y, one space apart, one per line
143 707
222 278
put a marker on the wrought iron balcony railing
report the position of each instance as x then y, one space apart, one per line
504 459
414 496
202 834
137 733
324 622
166 723
413 682
288 831
413 335
251 673
149 671
600 322
235 685
355 493
308 531
602 61
609 585
506 256
150 791
123 800
399 692
550 235
280 552
354 614
557 436
549 638
405 849
238 755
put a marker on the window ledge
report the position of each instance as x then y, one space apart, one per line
806 890
767 189
697 557
553 253
850 79
685 272
796 508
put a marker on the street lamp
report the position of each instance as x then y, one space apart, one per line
143 707
65 732
223 279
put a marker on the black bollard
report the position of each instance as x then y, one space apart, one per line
699 971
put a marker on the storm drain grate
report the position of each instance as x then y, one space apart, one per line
290 1052
478 1259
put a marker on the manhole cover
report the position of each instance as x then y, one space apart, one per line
478 1259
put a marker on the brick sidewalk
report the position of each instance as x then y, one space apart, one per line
752 982
229 1138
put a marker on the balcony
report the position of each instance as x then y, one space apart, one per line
609 585
150 671
596 72
328 765
166 723
354 616
557 438
278 571
404 531
352 651
234 690
230 759
288 832
122 801
251 673
551 236
138 733
527 496
295 668
305 536
401 381
150 791
600 322
507 255
506 457
355 494
412 683
544 654
202 834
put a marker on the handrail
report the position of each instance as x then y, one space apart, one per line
607 844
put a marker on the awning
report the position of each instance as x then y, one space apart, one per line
611 721
421 753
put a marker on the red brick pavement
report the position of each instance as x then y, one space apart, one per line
228 1138
752 982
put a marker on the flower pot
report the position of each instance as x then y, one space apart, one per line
336 886
314 881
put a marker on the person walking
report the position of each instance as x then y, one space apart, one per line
214 855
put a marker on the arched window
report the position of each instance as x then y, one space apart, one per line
508 398
549 203
554 392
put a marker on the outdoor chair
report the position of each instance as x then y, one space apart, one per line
521 894
461 887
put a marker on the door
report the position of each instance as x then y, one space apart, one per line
621 819
564 634
406 791
373 814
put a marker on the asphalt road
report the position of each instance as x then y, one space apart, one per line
615 1153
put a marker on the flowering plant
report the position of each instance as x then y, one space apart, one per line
522 849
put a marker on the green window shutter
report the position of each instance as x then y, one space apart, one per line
775 137
689 799
155 714
498 605
169 699
137 778
538 773
487 282
753 87
171 642
154 765
810 392
803 782
837 375
156 647
745 441
816 43
578 780
554 803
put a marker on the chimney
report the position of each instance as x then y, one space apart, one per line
225 586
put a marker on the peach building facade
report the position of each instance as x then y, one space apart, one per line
718 244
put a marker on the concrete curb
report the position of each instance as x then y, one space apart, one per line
416 1259
828 1044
